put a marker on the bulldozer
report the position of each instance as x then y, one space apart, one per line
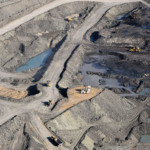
135 49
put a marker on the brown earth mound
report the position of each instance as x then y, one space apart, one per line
75 96
6 92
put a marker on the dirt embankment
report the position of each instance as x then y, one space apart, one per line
148 1
9 129
123 25
108 116
75 96
22 7
11 93
107 121
122 28
70 75
37 35
19 134
130 68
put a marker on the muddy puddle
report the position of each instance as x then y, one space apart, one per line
97 73
145 139
95 64
145 27
145 91
37 61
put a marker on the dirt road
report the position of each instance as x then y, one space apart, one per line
45 8
57 65
42 131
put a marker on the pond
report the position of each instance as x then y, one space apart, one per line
145 27
145 139
35 62
94 36
93 64
97 73
145 91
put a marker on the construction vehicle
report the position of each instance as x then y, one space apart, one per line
69 19
72 17
135 49
50 102
48 84
55 141
86 90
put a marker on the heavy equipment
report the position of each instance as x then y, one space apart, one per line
69 19
51 102
135 49
48 84
86 90
72 17
55 141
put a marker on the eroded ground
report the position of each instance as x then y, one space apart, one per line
92 49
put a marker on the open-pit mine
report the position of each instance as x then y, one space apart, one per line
75 75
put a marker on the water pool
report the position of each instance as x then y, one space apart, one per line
35 62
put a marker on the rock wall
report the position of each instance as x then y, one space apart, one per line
72 67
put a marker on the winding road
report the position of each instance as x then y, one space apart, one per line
46 8
55 68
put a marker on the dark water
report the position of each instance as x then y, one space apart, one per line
145 91
145 27
94 36
37 61
94 64
145 139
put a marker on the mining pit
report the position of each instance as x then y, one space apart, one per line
75 77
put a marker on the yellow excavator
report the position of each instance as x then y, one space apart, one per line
72 17
69 19
135 49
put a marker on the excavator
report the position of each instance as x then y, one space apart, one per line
69 19
72 17
135 49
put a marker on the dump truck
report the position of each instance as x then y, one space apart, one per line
72 17
49 103
48 84
86 90
55 141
